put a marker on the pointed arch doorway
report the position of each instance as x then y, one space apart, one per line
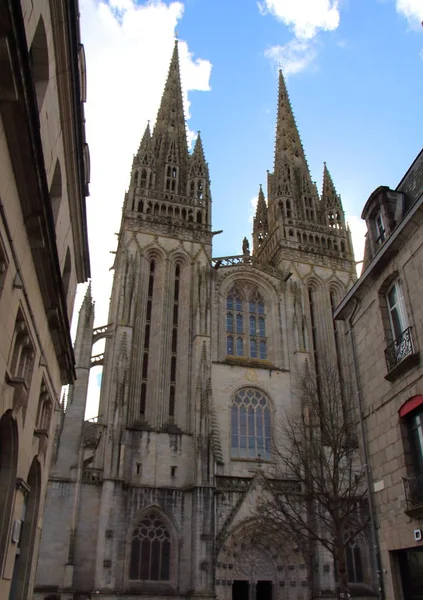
254 575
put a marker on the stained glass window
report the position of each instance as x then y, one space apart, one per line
250 425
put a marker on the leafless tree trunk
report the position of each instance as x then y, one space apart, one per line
315 449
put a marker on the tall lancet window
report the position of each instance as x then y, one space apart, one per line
174 342
250 425
258 340
147 331
234 325
171 178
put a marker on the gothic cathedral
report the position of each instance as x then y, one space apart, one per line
156 497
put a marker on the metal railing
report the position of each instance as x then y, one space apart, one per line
399 349
413 488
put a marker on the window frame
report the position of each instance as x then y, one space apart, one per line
171 582
239 337
241 403
399 306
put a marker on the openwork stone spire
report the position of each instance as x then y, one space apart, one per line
169 137
288 143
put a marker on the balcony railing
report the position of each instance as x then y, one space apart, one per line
413 488
399 350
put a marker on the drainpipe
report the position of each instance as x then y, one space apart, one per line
376 559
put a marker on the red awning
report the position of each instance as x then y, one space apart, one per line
410 405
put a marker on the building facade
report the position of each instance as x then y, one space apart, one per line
156 497
385 322
43 254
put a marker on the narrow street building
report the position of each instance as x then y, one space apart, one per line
43 255
384 313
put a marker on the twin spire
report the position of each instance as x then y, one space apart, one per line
291 179
165 151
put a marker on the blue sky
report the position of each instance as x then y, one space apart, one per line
354 71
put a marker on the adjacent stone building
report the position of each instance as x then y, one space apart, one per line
43 254
156 496
384 313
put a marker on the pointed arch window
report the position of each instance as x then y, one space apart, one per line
174 344
234 324
258 340
250 425
147 329
246 326
150 550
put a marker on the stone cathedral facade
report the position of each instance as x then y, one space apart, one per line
156 497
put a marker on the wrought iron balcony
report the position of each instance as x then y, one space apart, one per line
413 488
400 350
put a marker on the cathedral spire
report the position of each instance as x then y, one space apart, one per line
288 143
169 137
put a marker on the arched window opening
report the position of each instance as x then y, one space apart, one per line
56 191
40 62
200 189
44 410
8 465
26 543
174 345
288 209
250 425
354 561
67 270
150 550
143 182
257 327
23 354
147 331
199 219
234 323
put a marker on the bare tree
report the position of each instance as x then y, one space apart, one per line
316 449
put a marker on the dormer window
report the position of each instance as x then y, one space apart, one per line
380 229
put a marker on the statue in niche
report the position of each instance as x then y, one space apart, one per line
245 247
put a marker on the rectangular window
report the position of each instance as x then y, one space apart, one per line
380 229
396 310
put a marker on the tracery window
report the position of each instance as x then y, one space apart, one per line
150 550
251 343
147 329
250 425
354 563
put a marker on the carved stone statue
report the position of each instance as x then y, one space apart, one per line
245 247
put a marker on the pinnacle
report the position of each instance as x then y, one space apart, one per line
329 196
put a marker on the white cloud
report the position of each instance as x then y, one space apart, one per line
253 205
358 231
412 10
128 48
293 57
305 17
